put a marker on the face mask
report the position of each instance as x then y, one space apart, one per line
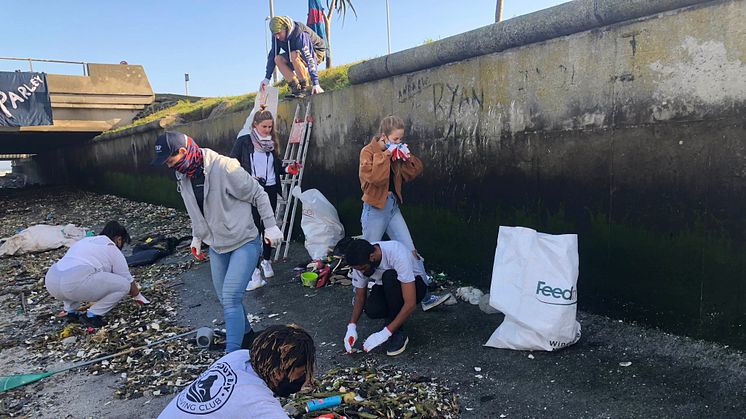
286 387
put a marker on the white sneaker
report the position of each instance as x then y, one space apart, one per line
267 268
256 281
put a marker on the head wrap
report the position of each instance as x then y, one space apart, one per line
280 23
192 161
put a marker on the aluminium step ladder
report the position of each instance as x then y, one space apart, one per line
296 151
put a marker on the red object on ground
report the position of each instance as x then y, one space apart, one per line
323 276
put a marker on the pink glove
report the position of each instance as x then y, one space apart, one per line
376 339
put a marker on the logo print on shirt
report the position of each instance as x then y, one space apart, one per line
209 392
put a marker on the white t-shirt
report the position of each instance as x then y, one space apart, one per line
264 166
396 256
99 252
228 389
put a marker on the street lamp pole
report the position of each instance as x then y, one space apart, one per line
388 26
499 11
271 15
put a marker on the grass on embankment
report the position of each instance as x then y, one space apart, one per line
331 79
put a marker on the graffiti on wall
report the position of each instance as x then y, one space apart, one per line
460 107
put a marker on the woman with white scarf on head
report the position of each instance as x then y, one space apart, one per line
258 151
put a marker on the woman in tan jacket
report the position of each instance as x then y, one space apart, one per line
385 164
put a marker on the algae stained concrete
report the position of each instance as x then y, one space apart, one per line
630 135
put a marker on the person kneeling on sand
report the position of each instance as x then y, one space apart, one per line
93 269
245 383
398 287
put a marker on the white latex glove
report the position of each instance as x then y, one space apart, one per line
316 89
263 84
196 247
273 236
376 339
350 337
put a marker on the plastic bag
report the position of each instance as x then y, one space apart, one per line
40 238
320 223
534 281
268 98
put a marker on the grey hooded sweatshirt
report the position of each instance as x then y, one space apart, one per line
229 193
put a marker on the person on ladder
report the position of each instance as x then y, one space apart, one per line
258 151
303 51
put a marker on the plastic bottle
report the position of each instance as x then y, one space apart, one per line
318 404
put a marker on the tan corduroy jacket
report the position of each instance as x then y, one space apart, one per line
374 171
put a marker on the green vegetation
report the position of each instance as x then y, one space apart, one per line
331 79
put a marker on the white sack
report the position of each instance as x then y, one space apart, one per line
534 283
41 237
320 223
269 98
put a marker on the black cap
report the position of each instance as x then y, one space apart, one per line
167 144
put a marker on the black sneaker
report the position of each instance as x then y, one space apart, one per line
95 321
397 343
296 92
72 317
248 339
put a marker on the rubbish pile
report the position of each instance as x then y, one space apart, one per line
369 391
48 342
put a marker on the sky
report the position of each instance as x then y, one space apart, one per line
220 43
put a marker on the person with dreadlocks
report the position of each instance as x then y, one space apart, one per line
303 51
245 383
218 195
258 151
93 269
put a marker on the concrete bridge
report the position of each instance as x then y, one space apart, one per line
83 107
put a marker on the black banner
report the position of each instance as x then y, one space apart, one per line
24 99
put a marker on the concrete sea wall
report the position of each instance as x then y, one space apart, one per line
630 135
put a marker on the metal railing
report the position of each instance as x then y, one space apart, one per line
30 62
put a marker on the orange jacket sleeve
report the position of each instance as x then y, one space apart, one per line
411 168
375 166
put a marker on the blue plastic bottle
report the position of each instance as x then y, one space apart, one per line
319 404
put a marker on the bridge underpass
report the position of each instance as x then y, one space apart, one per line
107 96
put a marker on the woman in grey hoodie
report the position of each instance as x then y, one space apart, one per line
218 195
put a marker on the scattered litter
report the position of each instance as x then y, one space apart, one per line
477 369
625 364
530 356
479 376
69 340
45 334
371 391
469 294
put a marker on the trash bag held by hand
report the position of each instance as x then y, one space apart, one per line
320 223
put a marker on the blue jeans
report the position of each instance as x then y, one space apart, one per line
231 272
388 220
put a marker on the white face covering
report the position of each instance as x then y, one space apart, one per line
267 138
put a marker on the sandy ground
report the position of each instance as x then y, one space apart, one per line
669 376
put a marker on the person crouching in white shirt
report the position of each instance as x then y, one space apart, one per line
93 269
245 383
